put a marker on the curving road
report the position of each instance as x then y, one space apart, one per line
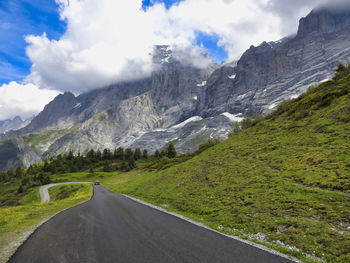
114 228
44 190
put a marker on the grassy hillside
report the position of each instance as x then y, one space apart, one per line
17 221
287 176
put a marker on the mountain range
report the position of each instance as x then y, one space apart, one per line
13 124
182 103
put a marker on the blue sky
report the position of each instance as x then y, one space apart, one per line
209 42
19 18
168 3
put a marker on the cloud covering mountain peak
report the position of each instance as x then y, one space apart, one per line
111 40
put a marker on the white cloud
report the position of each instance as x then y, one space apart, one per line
23 100
110 40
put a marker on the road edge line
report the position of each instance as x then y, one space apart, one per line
262 247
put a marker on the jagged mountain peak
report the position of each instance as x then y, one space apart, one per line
162 54
17 118
326 19
12 124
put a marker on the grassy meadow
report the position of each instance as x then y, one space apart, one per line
16 222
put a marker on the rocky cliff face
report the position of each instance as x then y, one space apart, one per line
277 71
186 104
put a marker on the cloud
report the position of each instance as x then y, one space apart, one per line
111 40
23 100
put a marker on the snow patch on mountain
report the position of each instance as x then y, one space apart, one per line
233 117
272 106
182 124
202 84
232 76
77 105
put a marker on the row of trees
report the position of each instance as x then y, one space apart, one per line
119 159
118 154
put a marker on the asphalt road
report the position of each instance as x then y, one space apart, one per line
114 228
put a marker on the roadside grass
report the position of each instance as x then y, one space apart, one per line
61 192
8 193
32 197
82 176
17 222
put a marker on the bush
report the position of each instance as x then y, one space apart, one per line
208 144
20 189
171 151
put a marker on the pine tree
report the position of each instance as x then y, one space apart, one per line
145 154
120 154
131 163
19 172
52 167
70 155
90 155
128 154
44 179
171 151
46 165
98 155
107 155
137 154
340 68
3 176
10 173
30 170
157 154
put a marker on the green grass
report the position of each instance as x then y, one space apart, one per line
288 177
16 222
62 192
32 197
80 177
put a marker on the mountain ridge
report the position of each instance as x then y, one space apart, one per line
142 113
